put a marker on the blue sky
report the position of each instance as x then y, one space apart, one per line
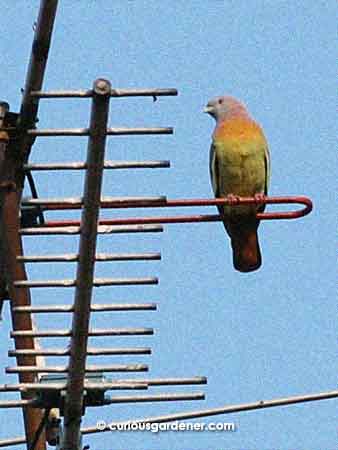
268 334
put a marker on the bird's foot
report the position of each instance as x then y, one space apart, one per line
233 199
259 198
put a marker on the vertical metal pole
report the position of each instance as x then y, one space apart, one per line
85 268
13 154
23 142
12 270
4 138
37 61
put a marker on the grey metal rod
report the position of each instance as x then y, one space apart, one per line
170 381
155 398
104 201
106 257
98 282
108 165
121 131
108 385
101 229
89 368
205 413
16 403
24 387
229 409
120 399
15 441
92 332
93 308
113 93
90 351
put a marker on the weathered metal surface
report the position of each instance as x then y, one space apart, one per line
228 409
93 308
171 381
105 202
90 351
60 204
151 92
155 398
74 257
104 386
97 282
88 368
102 229
121 131
91 332
11 171
108 165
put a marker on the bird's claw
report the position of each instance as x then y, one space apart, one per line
232 199
259 198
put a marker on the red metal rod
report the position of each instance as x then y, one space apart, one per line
201 217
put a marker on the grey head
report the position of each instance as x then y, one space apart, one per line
224 106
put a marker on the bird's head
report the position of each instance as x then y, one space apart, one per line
221 107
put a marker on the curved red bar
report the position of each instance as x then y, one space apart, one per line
201 217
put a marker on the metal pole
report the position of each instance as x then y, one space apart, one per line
120 131
223 410
85 269
162 202
70 257
13 172
94 307
110 165
113 93
38 61
11 247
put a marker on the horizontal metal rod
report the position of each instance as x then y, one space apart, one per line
127 203
92 332
16 403
93 308
107 385
106 202
102 229
98 282
110 131
169 381
107 165
155 398
10 442
229 409
206 412
128 221
118 399
90 351
24 387
89 368
151 92
74 257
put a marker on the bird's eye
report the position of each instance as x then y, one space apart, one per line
220 101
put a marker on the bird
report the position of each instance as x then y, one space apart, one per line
239 167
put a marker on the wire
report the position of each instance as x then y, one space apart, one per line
35 195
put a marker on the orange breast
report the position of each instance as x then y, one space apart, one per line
238 128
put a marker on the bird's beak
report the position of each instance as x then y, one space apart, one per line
208 109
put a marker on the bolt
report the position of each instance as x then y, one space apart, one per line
102 87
